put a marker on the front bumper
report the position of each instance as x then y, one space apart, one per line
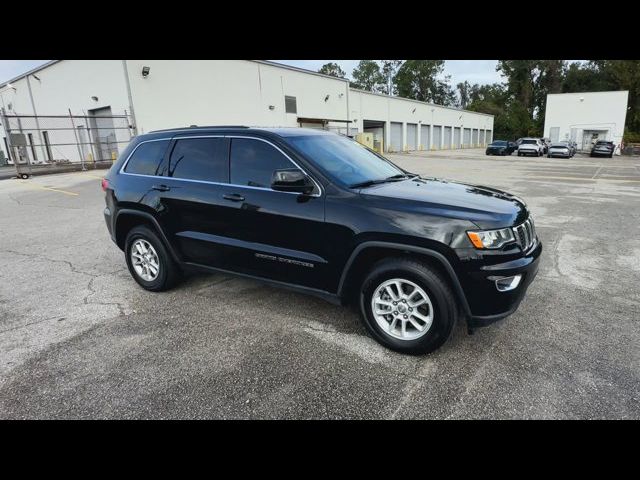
486 303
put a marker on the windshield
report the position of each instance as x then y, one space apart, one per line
559 145
499 143
529 142
344 160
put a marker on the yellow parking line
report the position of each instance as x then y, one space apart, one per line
42 187
585 178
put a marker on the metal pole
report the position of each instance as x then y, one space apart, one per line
33 106
75 133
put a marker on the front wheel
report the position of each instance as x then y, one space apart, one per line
407 306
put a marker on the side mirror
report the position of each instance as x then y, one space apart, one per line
291 180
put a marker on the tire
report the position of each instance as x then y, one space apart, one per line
168 271
519 154
443 306
548 156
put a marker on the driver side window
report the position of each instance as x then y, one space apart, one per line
253 162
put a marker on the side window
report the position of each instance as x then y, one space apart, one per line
199 159
147 158
253 162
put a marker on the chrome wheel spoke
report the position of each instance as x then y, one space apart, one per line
145 261
396 311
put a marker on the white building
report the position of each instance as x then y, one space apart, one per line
161 94
586 117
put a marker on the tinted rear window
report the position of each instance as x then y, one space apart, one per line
147 157
499 143
199 159
529 142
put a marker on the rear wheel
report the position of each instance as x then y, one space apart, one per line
149 262
407 306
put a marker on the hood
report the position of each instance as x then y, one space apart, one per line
485 206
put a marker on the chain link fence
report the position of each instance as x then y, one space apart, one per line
54 143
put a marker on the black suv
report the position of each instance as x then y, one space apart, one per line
319 213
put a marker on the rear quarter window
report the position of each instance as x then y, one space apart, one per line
147 158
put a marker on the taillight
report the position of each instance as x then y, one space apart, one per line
105 184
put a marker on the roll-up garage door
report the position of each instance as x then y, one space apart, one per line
475 137
447 137
456 137
412 136
487 137
437 137
396 137
425 137
466 138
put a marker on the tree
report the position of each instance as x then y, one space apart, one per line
368 76
417 79
389 71
464 91
332 69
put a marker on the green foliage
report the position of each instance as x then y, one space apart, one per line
368 76
332 69
418 80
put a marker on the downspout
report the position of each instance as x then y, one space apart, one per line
133 115
33 106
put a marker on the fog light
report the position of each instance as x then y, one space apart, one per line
504 284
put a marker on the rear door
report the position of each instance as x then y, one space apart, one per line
191 207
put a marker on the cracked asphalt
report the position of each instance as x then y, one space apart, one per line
80 339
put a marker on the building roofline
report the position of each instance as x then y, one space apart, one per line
419 101
587 93
298 69
25 74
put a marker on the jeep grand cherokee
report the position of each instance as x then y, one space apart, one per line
319 213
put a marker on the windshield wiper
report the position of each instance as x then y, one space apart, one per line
392 178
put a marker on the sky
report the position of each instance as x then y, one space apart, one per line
474 71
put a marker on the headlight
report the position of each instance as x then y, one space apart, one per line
491 238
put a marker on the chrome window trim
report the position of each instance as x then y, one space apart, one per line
126 162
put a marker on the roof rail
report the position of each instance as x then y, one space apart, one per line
199 126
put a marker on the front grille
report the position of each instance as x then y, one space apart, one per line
525 234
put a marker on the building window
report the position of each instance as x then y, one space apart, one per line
45 136
33 149
290 105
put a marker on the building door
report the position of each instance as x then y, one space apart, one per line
396 137
412 136
474 137
437 137
103 133
447 137
554 134
466 138
456 137
425 136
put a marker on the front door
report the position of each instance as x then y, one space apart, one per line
272 234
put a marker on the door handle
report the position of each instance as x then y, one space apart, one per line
161 188
234 197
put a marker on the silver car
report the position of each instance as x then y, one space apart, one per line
531 146
560 149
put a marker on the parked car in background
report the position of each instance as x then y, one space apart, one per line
531 146
501 147
603 148
320 213
560 149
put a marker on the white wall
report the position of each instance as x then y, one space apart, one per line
586 111
68 84
370 106
229 92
